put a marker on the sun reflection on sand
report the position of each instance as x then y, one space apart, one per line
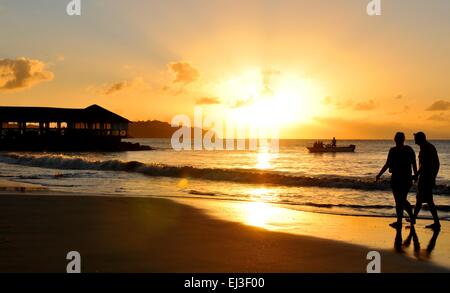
366 231
260 214
271 217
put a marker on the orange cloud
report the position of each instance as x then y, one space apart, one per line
347 128
327 100
121 87
184 72
267 76
339 104
208 101
242 103
137 84
440 105
366 106
350 104
441 117
118 87
22 73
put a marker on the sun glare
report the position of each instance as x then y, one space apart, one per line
263 160
270 99
259 214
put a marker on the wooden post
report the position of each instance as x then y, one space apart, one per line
22 128
41 128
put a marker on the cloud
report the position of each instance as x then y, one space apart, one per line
242 103
339 104
327 100
350 104
117 87
344 104
267 76
351 128
22 73
366 106
370 129
184 72
137 84
441 117
440 105
208 101
404 110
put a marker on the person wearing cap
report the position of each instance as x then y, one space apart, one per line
428 170
401 162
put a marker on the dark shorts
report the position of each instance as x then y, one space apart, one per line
425 189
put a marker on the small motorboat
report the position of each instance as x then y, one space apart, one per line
320 148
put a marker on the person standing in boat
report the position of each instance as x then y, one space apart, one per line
334 142
400 162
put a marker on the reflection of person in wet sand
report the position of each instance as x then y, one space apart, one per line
401 162
432 243
400 245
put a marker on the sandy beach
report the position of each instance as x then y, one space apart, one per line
115 234
226 137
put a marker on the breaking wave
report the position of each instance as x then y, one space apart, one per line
251 176
322 206
442 208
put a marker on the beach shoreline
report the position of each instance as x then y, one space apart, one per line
136 234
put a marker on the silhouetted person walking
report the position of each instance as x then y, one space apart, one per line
401 162
428 170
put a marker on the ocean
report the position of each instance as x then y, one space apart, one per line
293 178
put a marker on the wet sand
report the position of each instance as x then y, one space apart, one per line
419 244
116 234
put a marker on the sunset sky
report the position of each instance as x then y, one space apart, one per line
316 68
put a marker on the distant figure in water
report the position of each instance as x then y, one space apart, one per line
333 142
428 170
400 162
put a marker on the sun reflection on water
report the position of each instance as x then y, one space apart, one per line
264 159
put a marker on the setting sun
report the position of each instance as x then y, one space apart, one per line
265 98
